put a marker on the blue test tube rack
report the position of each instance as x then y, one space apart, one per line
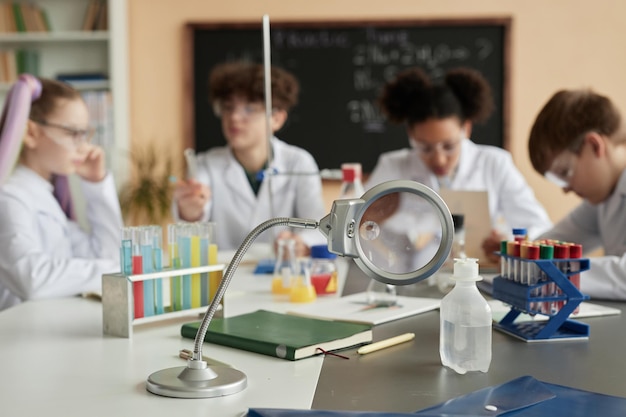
527 298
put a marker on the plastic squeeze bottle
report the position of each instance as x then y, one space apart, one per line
465 322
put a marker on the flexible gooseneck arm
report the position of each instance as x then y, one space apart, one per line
232 267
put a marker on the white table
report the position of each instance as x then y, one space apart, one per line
56 362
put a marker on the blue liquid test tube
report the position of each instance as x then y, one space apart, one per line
148 267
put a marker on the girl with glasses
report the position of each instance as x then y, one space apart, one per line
232 187
438 116
44 137
578 141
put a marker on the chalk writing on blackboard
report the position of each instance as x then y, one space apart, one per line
341 67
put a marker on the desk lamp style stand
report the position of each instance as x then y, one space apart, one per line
366 229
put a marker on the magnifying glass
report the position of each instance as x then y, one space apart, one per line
399 232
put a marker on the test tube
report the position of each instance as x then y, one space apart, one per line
503 261
532 272
176 289
205 236
126 251
561 251
148 267
215 277
157 259
523 266
513 250
546 252
184 251
196 258
137 269
575 252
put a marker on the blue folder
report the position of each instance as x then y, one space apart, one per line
524 397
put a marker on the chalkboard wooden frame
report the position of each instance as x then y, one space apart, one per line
194 87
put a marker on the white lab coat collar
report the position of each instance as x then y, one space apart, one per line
38 186
235 172
27 174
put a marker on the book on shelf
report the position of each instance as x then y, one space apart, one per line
96 16
281 335
22 17
354 308
17 61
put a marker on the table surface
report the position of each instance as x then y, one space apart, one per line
56 362
410 377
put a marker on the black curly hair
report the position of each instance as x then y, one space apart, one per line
413 97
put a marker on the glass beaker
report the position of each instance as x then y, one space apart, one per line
286 266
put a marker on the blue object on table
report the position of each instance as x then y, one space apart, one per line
523 397
265 266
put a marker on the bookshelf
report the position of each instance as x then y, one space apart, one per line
67 48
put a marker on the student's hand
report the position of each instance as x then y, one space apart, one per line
93 165
301 248
191 197
492 244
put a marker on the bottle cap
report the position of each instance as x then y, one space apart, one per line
521 231
351 171
466 269
576 251
503 246
458 220
546 251
561 251
532 252
321 252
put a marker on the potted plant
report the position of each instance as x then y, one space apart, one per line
147 197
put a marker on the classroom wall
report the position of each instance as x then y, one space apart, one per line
555 44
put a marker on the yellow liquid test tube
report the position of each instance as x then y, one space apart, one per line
196 285
216 276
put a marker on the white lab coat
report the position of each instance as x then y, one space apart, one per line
594 226
236 210
481 168
46 255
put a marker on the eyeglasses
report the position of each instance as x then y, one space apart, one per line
563 166
448 148
78 136
246 110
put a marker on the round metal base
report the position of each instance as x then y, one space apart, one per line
184 382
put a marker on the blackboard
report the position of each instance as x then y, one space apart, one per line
341 67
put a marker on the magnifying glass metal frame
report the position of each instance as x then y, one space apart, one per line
341 227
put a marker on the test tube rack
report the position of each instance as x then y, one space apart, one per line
118 301
526 297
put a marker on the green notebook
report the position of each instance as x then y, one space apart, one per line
282 335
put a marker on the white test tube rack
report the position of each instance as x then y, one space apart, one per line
118 318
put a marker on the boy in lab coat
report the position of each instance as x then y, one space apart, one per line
578 141
438 116
232 187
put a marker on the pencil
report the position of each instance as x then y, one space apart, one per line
385 343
